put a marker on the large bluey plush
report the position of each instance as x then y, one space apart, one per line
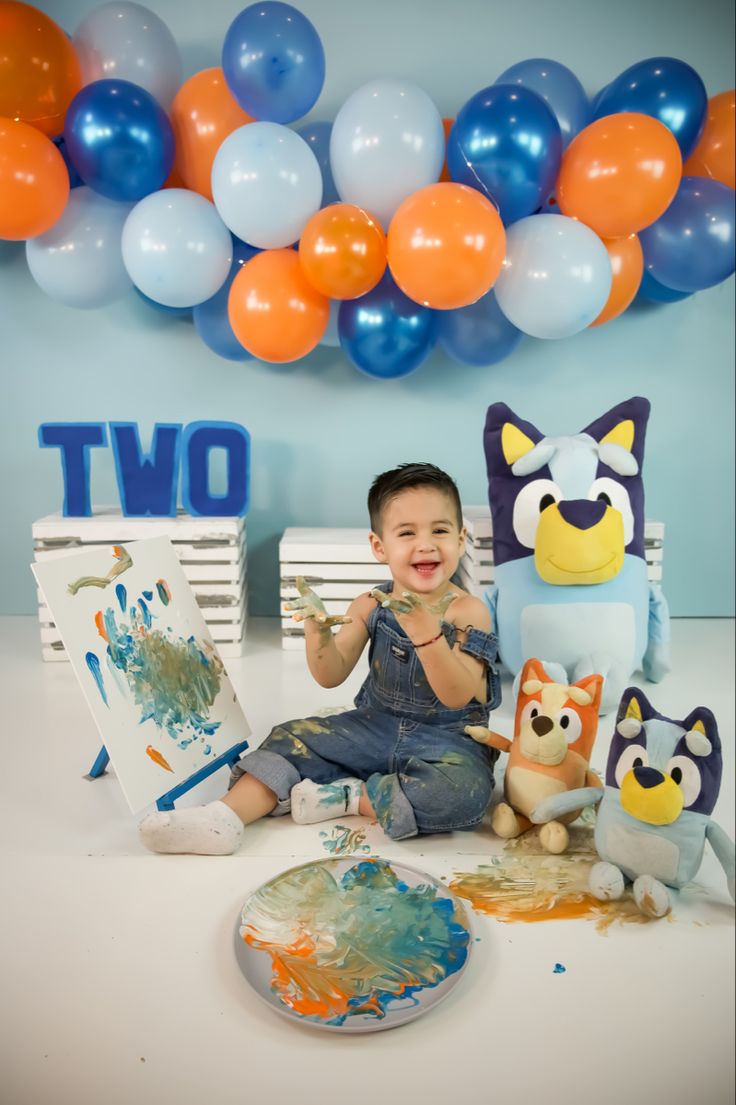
568 547
662 782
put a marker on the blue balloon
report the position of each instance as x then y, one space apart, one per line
559 87
211 319
273 61
691 246
506 142
176 312
75 180
665 88
119 140
317 137
654 292
384 333
479 334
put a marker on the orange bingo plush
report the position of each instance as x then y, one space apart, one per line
554 731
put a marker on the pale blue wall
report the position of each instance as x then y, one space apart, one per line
320 429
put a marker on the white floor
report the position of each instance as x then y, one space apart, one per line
118 977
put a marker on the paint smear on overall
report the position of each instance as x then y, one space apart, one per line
173 681
525 885
343 841
94 666
349 946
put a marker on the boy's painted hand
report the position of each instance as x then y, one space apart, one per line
412 602
310 605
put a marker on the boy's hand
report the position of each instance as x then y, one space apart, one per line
310 605
412 601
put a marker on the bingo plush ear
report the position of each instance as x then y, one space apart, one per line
591 687
533 677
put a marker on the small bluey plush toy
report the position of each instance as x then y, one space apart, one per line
662 783
568 548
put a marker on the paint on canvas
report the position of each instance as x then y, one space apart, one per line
140 647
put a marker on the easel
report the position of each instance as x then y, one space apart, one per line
166 801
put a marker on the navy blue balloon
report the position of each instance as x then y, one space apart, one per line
506 142
559 87
665 88
692 246
75 179
211 319
274 62
654 292
317 137
479 334
384 333
119 140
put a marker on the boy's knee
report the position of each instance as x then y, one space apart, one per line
452 794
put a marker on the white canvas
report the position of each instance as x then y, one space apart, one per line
145 659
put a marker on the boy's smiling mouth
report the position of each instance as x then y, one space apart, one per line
426 567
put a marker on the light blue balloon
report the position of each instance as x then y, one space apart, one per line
556 276
266 184
317 137
387 141
79 261
559 86
479 334
176 248
211 319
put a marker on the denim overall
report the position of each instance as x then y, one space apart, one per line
423 774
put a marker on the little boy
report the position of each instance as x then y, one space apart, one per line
402 755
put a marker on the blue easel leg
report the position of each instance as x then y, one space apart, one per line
100 764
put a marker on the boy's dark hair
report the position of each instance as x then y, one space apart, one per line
389 484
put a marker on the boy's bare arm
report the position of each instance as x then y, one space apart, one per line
331 657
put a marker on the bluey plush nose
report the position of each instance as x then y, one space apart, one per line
541 724
582 513
648 777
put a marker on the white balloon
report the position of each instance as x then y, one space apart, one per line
387 141
266 184
176 248
556 276
79 261
125 41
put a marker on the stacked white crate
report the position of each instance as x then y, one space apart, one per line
212 552
336 563
476 563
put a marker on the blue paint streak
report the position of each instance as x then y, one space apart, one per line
122 596
148 595
94 666
145 612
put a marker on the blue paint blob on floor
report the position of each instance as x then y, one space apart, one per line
559 969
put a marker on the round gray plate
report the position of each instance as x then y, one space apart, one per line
257 965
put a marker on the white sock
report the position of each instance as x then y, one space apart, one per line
312 802
211 830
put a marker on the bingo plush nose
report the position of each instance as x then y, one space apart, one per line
541 724
582 513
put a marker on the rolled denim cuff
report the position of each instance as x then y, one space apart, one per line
273 771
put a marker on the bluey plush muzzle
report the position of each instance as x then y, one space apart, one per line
650 796
579 541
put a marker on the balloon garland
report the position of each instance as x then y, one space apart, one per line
537 210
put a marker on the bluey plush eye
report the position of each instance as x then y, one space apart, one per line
635 755
684 772
614 494
570 723
530 502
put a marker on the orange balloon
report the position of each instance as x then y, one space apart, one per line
34 182
714 154
619 174
342 251
274 311
447 125
446 245
203 114
39 71
627 265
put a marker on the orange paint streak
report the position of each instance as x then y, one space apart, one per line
157 757
118 551
99 622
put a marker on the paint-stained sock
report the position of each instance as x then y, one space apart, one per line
211 830
312 802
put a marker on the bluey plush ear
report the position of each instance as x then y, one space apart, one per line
701 732
622 431
507 438
633 710
533 677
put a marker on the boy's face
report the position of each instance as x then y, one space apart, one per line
420 540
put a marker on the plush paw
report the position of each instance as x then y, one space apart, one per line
504 822
651 896
606 882
554 837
